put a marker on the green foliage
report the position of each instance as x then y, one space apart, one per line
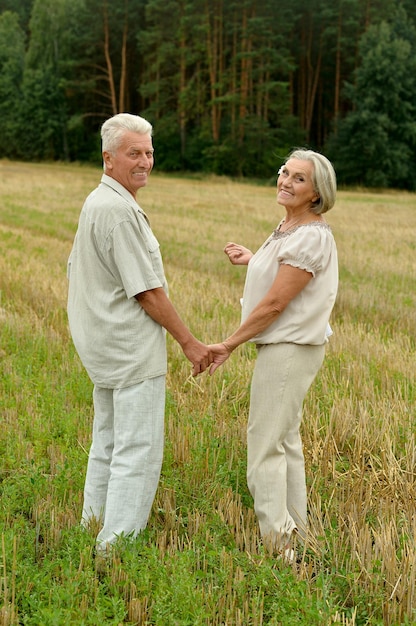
12 43
375 145
216 130
228 85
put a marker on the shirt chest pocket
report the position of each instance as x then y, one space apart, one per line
152 243
153 247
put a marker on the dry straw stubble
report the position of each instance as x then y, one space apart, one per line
359 417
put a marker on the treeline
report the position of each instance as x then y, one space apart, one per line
230 86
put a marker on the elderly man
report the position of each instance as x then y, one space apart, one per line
118 310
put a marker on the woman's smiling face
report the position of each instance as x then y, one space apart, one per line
295 188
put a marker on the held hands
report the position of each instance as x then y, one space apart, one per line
238 255
199 355
208 356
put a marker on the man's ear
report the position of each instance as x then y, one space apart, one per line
107 160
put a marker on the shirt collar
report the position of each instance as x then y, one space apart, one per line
118 187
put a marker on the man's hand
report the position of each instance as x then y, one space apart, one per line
199 355
156 304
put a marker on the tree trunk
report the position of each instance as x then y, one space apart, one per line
212 74
110 73
314 73
234 87
244 77
337 68
181 98
309 74
123 73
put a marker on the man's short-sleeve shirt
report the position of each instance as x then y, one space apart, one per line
115 256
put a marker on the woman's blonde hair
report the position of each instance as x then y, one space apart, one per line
323 178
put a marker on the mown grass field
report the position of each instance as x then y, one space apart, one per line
200 561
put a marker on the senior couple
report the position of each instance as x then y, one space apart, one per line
119 312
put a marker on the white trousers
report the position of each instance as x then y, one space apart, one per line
125 458
275 465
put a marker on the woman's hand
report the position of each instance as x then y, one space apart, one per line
238 255
219 354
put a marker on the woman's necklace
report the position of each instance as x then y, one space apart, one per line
289 226
292 224
276 233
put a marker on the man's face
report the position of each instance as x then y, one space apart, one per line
132 163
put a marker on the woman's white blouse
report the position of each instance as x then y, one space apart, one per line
310 247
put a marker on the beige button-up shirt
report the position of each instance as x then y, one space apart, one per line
115 256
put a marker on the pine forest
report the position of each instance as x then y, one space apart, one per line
230 86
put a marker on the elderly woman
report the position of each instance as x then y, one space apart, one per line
290 290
